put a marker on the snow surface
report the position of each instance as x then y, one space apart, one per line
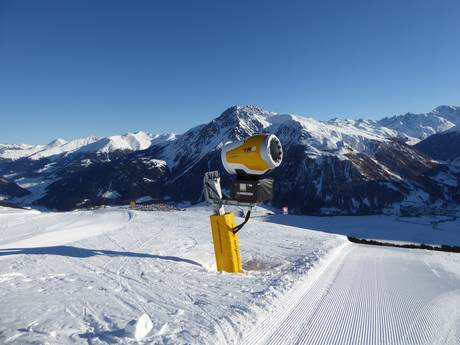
143 327
118 276
89 276
371 295
429 230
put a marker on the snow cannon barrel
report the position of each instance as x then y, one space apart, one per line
254 156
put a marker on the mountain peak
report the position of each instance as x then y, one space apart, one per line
246 111
443 109
449 112
248 116
57 142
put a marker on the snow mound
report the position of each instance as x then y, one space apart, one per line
143 327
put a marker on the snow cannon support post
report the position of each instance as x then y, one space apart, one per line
251 160
226 245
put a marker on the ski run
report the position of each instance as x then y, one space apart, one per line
118 276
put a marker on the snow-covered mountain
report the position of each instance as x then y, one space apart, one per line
13 151
338 166
127 142
416 127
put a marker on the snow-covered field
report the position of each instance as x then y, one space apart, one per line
112 275
89 276
429 230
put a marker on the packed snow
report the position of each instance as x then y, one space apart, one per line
371 295
436 230
116 275
92 276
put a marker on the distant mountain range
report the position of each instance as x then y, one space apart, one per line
406 164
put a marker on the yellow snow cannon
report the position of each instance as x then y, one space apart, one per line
251 160
254 156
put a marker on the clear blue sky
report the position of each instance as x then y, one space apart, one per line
77 68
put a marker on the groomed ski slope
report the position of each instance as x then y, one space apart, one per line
88 277
371 295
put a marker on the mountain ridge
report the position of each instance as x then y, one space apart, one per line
438 120
330 167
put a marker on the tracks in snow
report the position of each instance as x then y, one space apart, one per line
367 295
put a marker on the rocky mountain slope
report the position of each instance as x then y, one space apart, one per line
10 189
442 146
333 167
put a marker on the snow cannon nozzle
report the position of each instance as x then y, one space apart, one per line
253 157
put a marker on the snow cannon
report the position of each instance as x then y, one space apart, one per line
252 157
250 160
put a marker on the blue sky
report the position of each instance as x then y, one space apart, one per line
77 68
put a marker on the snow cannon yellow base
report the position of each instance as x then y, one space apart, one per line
226 245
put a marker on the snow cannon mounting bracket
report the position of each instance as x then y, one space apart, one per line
252 191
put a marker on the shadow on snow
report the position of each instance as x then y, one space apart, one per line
77 252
